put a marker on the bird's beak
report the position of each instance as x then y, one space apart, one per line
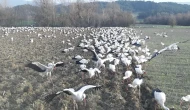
181 102
144 72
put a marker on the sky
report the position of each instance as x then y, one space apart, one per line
170 0
21 2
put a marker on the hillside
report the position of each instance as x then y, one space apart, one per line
144 8
148 8
100 16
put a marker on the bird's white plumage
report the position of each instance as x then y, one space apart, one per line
139 70
136 82
79 95
47 69
186 98
127 74
112 67
92 71
160 97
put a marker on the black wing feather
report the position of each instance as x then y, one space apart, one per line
154 55
84 70
60 64
98 87
50 97
34 67
184 41
155 90
67 92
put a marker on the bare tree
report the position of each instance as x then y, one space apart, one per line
4 3
45 16
6 14
114 16
172 20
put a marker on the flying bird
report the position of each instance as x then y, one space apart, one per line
77 95
171 47
92 71
43 68
160 98
100 62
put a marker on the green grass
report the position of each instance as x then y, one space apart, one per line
170 70
159 26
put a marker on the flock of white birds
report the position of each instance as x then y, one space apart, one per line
111 48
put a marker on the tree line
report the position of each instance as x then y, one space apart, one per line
78 14
121 13
169 19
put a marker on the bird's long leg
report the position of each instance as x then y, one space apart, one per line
128 67
52 82
128 79
117 68
104 79
155 105
124 81
82 75
139 96
189 107
139 92
126 88
49 75
104 70
97 75
74 105
84 102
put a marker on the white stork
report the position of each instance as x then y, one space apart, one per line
47 69
136 83
77 95
127 75
91 71
160 98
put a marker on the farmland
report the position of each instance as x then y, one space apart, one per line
22 88
170 70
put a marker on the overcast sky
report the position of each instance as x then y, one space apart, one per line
20 2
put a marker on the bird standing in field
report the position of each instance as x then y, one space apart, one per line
139 70
126 62
112 68
127 75
160 98
186 99
77 95
136 82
